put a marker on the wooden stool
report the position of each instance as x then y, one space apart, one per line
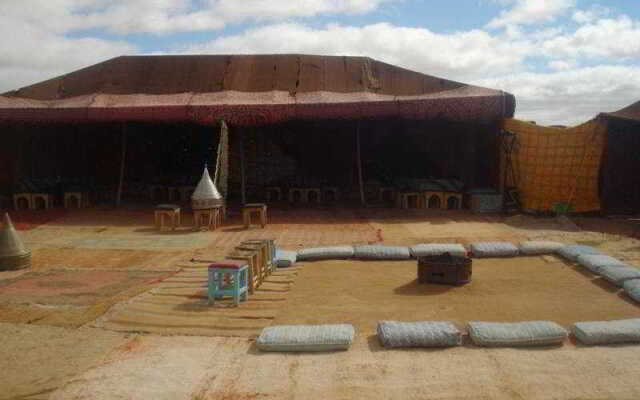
436 198
167 210
157 192
186 192
384 190
301 195
228 278
335 193
452 201
269 191
403 199
26 197
81 199
4 203
262 269
251 258
211 216
315 191
259 208
268 251
173 194
45 199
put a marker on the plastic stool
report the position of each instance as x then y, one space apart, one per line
228 278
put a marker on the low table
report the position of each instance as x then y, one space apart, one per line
445 269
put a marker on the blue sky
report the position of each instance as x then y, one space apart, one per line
565 60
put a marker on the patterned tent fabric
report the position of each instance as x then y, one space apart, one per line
250 90
556 165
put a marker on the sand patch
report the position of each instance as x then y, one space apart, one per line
513 289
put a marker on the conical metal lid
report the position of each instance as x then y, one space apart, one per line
206 190
10 243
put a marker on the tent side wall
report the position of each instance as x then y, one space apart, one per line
556 165
620 188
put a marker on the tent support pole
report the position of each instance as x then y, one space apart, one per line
242 174
359 163
122 159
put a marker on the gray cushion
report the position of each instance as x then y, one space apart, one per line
379 252
285 258
306 337
571 252
436 249
632 289
493 249
618 275
608 332
538 247
594 262
418 334
528 333
325 253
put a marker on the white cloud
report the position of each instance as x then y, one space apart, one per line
611 38
587 16
561 65
528 12
570 97
31 52
461 55
170 16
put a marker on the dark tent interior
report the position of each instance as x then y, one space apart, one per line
402 154
619 178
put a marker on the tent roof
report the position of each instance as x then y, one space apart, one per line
631 112
249 90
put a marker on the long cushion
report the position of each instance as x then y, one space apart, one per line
325 253
436 249
493 249
608 332
528 333
632 289
572 251
618 275
538 247
419 334
306 337
285 258
380 252
594 262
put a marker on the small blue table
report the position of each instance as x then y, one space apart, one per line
228 278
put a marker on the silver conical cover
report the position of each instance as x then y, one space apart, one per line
10 243
206 195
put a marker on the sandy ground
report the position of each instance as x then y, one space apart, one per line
192 368
36 360
512 289
90 264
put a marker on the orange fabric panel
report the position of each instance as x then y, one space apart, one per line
557 165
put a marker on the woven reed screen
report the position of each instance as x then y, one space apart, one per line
557 165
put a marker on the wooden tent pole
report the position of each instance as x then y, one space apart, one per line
242 173
122 159
359 163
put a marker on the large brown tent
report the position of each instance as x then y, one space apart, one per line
265 97
249 90
619 178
